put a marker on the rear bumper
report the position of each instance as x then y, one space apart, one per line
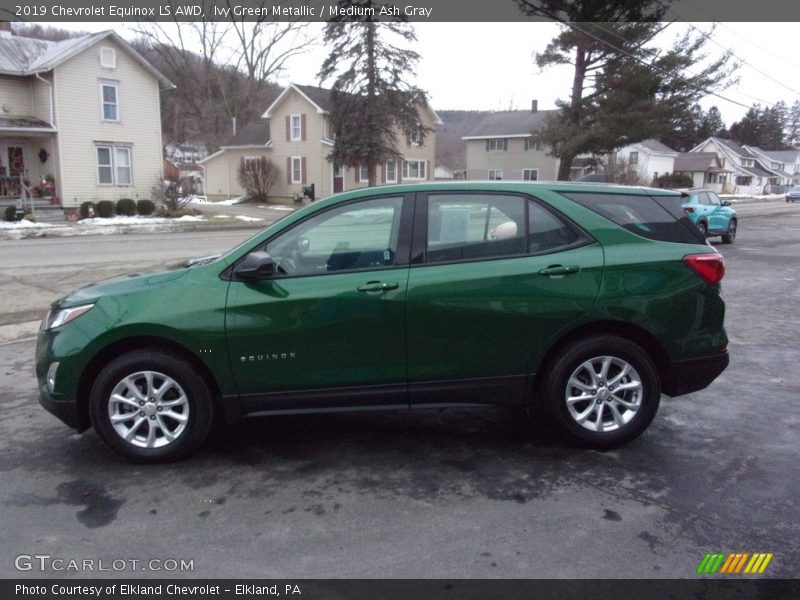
691 375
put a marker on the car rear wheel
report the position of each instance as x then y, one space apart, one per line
703 228
601 392
151 407
730 237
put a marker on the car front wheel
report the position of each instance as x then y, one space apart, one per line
601 392
151 407
730 237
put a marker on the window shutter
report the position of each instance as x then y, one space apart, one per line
288 128
303 168
487 145
288 168
358 173
505 144
383 173
428 170
303 129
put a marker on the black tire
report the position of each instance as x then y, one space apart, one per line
703 228
187 411
730 237
554 390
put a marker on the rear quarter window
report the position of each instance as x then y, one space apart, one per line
654 217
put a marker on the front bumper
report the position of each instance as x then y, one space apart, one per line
66 410
694 374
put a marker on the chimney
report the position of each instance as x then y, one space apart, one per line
5 29
534 106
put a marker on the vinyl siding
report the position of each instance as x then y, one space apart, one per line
42 99
16 96
221 172
511 161
80 125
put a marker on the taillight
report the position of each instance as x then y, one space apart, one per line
688 210
710 266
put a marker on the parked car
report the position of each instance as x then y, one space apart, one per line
596 301
712 216
793 194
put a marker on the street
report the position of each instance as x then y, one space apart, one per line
470 493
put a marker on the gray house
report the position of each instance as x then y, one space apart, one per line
503 145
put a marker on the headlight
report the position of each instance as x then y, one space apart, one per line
61 316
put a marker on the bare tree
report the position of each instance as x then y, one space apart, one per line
257 176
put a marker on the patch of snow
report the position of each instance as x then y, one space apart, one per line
289 208
22 224
137 220
248 219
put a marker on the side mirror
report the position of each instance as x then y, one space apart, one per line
726 203
255 267
303 245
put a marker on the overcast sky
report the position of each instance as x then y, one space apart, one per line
490 66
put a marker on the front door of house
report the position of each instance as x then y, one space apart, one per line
338 179
16 161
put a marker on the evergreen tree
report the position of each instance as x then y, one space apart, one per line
762 127
623 91
792 132
371 97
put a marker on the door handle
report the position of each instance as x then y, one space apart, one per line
378 286
557 270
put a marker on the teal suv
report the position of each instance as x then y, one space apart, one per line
579 304
712 216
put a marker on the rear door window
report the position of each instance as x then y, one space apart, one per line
652 217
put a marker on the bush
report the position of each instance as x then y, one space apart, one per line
105 209
83 211
145 207
125 207
257 177
29 217
11 213
674 180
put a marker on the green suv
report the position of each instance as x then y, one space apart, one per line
581 303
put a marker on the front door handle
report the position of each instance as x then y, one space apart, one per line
378 286
557 270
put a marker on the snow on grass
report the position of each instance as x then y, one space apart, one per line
137 220
279 207
22 224
248 219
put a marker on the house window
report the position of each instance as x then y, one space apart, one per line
108 58
362 173
495 174
109 102
533 145
251 163
114 165
497 144
414 169
530 174
633 158
296 128
297 169
415 138
391 172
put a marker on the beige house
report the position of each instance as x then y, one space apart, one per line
503 145
295 135
79 119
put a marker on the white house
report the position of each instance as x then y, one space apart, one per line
742 172
783 164
650 157
80 119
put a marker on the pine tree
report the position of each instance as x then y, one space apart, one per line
792 132
371 97
622 91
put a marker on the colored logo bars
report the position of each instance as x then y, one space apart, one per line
734 563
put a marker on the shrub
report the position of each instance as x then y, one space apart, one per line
11 213
674 180
145 207
29 217
83 211
105 209
125 207
257 177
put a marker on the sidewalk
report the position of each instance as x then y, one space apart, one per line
214 218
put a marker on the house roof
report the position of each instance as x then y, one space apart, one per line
784 156
28 56
696 162
655 146
253 134
320 98
756 170
517 123
22 124
732 146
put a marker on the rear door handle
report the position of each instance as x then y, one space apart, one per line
378 286
557 270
